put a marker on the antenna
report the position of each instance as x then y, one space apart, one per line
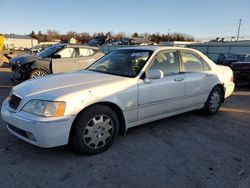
238 35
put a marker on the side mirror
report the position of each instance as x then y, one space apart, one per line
153 75
56 56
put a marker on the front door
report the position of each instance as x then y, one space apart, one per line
166 95
65 61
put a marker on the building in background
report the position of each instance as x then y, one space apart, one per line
72 40
176 43
214 49
19 42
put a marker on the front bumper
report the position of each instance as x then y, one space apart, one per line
36 130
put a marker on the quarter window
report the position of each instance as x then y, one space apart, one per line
84 52
67 53
191 62
167 62
206 67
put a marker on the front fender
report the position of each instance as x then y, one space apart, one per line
42 64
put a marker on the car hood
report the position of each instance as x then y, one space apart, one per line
64 83
23 59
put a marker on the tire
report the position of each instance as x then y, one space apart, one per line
90 134
214 101
38 73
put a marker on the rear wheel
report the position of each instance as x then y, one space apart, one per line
94 130
214 101
38 73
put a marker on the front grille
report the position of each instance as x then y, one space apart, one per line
14 101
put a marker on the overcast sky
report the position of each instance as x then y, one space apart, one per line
200 18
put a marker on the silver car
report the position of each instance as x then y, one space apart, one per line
123 89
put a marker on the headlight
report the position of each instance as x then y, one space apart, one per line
45 108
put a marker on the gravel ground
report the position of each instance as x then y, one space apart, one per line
188 150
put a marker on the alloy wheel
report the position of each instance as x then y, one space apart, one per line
98 131
38 73
215 101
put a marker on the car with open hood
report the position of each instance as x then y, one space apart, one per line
125 88
54 59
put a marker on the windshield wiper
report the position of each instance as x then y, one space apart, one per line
110 73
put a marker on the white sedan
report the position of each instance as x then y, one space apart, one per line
125 88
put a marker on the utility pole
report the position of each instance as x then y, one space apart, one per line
168 34
238 35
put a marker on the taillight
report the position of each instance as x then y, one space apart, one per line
232 78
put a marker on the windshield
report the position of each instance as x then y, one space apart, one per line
126 63
48 51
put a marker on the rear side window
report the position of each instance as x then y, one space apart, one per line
206 67
85 52
191 62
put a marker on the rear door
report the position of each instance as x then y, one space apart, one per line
86 56
198 76
65 60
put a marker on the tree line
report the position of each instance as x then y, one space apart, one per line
84 37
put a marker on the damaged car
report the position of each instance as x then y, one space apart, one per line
54 59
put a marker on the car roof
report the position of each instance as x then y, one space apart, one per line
154 48
77 45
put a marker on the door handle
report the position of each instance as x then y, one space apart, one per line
178 79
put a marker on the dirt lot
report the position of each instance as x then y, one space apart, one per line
188 150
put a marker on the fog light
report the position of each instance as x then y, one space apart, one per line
30 136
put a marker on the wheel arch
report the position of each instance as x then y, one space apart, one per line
222 89
45 65
114 107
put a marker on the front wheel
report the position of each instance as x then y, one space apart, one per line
94 130
214 101
38 73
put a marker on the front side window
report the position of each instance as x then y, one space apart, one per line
191 62
167 62
67 53
85 52
126 63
